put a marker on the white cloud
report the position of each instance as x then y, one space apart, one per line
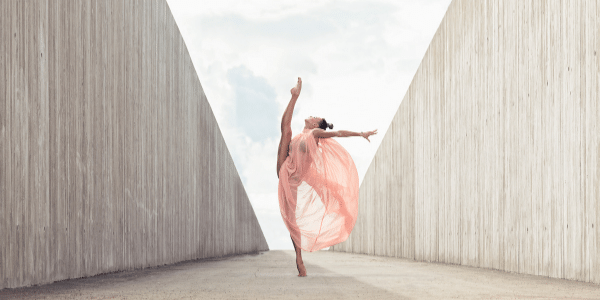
356 60
255 106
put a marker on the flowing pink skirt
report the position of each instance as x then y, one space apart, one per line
318 192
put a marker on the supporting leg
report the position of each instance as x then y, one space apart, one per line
299 262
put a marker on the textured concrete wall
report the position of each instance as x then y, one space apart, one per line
110 155
493 158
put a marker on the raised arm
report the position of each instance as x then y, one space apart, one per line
320 133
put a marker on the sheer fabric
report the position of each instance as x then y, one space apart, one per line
318 192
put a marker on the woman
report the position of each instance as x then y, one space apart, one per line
318 183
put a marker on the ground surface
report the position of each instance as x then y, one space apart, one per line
331 275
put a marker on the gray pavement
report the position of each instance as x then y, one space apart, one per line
331 275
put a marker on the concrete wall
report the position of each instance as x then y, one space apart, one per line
493 158
110 155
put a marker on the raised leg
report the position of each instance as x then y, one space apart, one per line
286 129
284 144
283 152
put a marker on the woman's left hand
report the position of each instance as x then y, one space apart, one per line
367 134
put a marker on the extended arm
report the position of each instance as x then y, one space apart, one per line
320 133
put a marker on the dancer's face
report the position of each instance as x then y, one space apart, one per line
312 122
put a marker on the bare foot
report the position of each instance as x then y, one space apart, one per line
299 262
301 269
296 90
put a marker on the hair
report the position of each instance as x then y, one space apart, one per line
323 124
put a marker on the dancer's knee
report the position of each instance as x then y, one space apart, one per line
286 123
286 133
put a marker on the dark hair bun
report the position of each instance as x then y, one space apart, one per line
323 124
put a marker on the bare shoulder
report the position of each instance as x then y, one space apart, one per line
317 132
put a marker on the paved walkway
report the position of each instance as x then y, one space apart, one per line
272 275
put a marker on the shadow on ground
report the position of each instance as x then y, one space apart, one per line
332 275
267 275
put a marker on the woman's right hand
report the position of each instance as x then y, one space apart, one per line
296 90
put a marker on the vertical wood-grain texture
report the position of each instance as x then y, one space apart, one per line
110 156
493 158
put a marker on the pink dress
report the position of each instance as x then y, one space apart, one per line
318 192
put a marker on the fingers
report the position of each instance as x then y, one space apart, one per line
369 133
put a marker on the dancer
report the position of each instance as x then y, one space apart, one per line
318 183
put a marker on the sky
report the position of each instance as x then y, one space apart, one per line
356 60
